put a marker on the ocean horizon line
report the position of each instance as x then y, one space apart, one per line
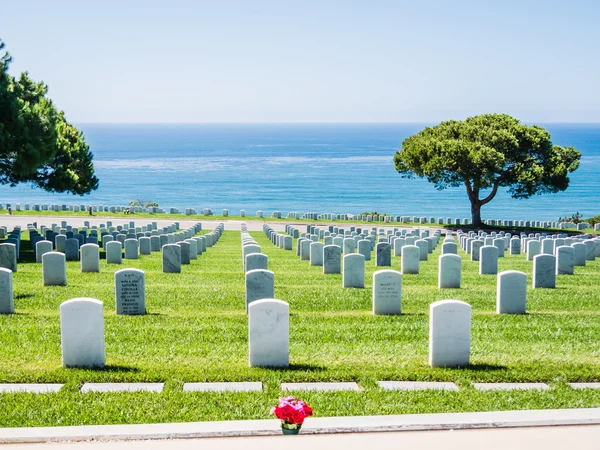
314 123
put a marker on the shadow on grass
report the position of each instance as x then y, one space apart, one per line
109 368
483 367
26 257
298 368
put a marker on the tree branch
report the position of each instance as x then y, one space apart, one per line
492 194
495 188
470 192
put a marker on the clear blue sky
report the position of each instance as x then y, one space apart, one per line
310 61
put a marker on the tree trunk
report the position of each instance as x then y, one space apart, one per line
476 213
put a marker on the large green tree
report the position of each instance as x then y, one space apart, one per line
485 153
37 144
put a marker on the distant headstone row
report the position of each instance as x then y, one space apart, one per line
298 215
552 255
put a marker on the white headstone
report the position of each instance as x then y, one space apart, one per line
547 246
354 271
82 332
449 271
8 256
410 259
257 261
260 284
533 249
268 333
131 248
90 258
565 260
449 248
42 247
387 292
544 271
476 249
488 260
316 254
349 245
114 252
332 255
145 246
423 249
171 258
579 251
511 292
185 252
6 292
130 292
383 254
449 333
364 248
515 246
54 269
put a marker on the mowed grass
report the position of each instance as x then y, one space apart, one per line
196 330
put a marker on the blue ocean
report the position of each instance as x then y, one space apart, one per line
337 168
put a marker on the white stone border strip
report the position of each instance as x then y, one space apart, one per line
510 386
31 388
122 387
585 385
320 387
417 385
244 386
352 424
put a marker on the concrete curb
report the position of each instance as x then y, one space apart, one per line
352 424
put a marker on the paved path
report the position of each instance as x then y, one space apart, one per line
545 438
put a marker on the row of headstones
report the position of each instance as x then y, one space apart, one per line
130 292
533 243
54 264
259 282
449 333
82 333
280 240
81 207
185 250
9 250
511 292
545 267
551 257
252 258
329 255
396 238
139 240
310 215
57 236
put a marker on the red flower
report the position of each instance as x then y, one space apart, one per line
291 410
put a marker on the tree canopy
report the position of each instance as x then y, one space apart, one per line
37 144
488 152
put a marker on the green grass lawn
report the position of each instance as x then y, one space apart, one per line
196 330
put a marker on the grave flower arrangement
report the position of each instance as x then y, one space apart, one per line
292 413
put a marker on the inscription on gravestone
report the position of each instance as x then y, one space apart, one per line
130 292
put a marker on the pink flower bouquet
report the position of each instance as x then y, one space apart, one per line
291 412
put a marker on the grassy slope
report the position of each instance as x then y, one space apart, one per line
196 330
